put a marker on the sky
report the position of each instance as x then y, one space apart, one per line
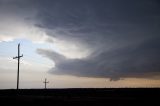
80 43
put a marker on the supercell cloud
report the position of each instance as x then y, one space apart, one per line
122 37
113 38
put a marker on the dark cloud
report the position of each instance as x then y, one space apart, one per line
93 22
140 61
122 35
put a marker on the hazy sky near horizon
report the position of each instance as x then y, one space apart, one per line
80 43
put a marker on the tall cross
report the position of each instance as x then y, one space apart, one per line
18 57
45 82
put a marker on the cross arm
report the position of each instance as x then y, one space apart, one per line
46 82
15 57
18 57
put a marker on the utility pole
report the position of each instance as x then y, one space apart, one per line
18 57
45 82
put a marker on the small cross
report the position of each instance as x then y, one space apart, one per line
18 57
45 82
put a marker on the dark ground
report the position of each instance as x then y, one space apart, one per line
83 97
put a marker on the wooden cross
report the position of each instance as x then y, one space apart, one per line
18 57
45 82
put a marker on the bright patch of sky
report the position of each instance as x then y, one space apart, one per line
28 49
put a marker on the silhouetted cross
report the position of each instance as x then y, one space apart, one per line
45 82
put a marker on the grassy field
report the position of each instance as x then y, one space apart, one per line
83 97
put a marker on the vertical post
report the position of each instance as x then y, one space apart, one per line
18 69
18 57
45 83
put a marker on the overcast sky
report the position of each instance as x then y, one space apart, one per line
80 43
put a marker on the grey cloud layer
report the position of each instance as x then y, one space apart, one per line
116 64
122 35
100 23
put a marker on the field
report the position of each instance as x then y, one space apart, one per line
83 97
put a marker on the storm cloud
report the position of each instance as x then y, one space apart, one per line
119 37
122 37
